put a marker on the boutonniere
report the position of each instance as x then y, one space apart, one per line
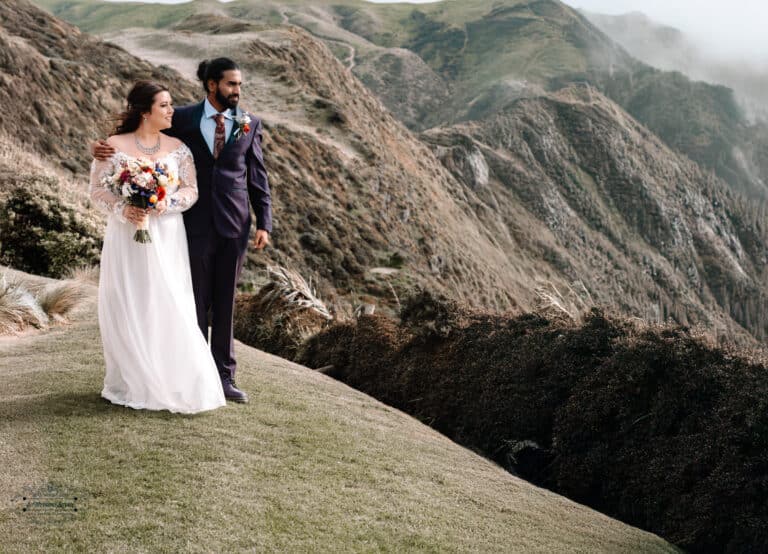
243 123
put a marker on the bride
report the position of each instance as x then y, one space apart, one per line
156 358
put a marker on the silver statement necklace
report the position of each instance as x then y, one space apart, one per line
143 149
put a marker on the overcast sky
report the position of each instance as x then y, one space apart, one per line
734 28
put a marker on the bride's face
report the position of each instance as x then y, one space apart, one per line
162 112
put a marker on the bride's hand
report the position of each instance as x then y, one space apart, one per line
161 206
134 215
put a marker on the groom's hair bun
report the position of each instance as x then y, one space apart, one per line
202 69
214 70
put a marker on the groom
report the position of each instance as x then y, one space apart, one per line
226 145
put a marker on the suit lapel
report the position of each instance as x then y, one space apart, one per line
236 113
197 116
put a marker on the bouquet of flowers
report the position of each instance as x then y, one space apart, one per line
142 183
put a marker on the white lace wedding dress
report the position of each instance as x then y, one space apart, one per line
156 357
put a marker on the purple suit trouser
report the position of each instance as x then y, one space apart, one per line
216 263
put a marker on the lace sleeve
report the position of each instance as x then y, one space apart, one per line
186 195
104 199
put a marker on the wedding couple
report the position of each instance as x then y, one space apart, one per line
154 298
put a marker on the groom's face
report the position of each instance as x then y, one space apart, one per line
227 90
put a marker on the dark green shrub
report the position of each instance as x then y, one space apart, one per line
649 424
41 232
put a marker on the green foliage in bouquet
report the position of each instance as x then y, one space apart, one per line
41 232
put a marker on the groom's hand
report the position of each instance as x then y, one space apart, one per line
102 150
261 240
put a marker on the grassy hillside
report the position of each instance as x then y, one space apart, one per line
309 465
96 15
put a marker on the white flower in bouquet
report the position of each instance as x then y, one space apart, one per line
143 179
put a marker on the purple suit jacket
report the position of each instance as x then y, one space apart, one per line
226 184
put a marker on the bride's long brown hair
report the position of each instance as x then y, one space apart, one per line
139 101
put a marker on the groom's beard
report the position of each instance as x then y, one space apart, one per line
228 101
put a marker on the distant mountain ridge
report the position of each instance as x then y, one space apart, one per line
472 58
669 49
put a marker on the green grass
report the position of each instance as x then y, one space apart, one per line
309 465
97 16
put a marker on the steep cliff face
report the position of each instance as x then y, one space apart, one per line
644 228
356 190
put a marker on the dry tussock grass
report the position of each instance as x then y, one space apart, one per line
19 308
60 299
572 303
29 302
282 315
85 274
13 155
290 289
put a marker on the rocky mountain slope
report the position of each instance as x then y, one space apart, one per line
439 63
60 86
612 206
354 189
559 187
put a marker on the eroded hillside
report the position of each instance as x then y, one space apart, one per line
610 205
